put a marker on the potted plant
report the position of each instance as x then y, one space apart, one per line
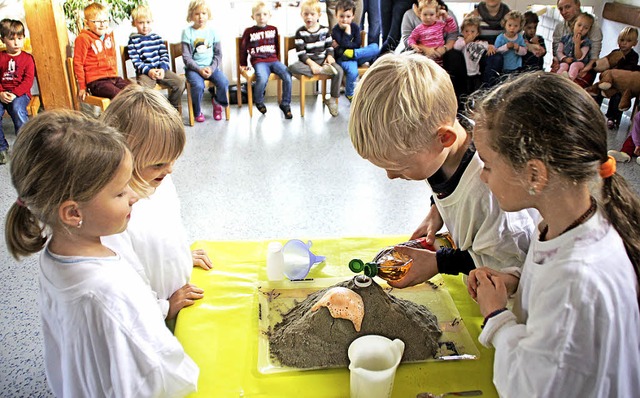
118 10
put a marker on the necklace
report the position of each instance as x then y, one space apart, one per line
578 221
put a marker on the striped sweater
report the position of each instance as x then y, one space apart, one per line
313 45
148 52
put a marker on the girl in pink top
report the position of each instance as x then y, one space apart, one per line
428 37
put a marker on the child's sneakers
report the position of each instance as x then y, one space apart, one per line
619 156
329 70
349 97
261 108
217 112
4 157
332 104
200 118
349 53
286 109
638 160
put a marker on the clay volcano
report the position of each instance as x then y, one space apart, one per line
314 339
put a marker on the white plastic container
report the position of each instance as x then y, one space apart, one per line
374 360
275 261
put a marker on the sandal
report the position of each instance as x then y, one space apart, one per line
286 109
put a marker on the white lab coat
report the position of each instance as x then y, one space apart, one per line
575 328
104 334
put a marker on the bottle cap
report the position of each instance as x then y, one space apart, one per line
371 269
356 265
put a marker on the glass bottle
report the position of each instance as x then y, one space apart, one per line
391 265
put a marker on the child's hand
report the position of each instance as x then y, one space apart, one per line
345 27
206 72
568 60
200 259
515 46
315 68
511 281
334 44
159 74
82 94
510 45
540 52
469 37
577 39
429 226
534 40
443 14
330 60
5 97
424 267
490 289
637 151
491 50
183 297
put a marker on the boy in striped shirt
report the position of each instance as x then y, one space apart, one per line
315 53
150 57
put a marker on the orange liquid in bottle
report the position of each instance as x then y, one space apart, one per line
393 266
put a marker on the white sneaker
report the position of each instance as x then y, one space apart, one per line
638 160
619 156
332 104
329 70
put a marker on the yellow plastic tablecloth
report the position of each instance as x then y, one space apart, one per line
220 332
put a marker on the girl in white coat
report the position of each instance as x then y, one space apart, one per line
575 326
103 333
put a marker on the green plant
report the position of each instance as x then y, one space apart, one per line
118 11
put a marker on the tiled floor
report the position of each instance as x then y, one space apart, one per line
260 178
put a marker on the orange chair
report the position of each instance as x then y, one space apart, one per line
250 78
175 51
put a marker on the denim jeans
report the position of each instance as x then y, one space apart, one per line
372 9
391 12
350 67
197 88
17 109
263 70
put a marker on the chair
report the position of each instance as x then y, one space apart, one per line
100 102
250 78
289 44
175 50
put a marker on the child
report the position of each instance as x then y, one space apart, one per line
491 14
103 333
262 42
575 326
315 53
155 135
627 39
631 146
573 49
511 43
202 54
94 56
430 33
150 57
17 70
534 58
473 50
403 119
348 46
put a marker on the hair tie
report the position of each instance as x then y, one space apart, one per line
20 202
608 168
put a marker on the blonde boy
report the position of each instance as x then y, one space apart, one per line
94 56
262 43
403 119
150 57
315 53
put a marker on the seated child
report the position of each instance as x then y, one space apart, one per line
95 62
202 54
534 58
510 43
491 14
348 46
403 119
17 70
627 39
428 37
155 134
631 146
103 332
262 43
573 49
315 53
473 50
150 57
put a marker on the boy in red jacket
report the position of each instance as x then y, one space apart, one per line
17 70
94 57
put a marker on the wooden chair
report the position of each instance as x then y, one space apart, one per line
289 44
250 78
175 51
100 102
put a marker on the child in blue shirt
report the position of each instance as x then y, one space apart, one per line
511 43
348 47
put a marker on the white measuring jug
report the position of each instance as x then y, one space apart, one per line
373 363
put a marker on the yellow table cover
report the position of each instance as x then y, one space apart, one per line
220 332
